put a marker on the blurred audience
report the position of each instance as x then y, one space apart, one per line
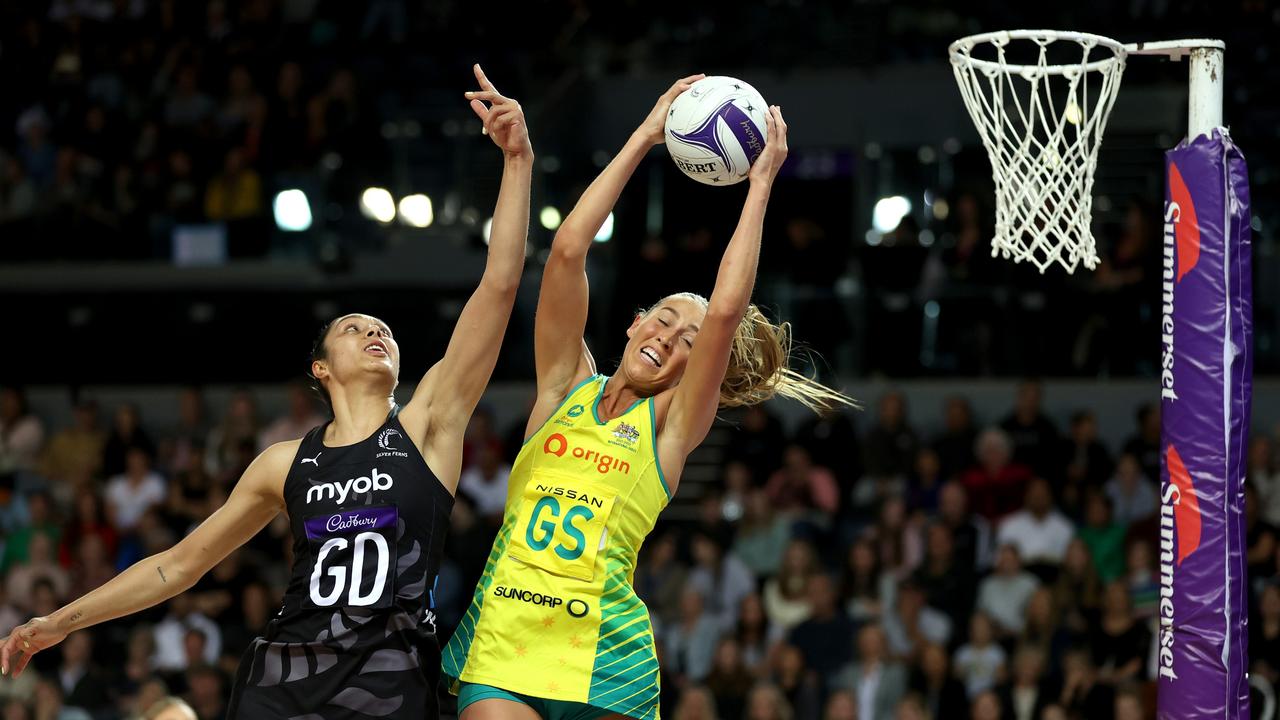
770 597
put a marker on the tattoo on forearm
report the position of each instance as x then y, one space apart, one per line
162 577
76 617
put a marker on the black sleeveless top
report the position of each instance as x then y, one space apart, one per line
356 635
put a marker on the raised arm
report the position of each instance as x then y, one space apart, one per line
559 350
697 397
256 499
451 389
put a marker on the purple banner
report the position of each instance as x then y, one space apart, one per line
1206 386
349 522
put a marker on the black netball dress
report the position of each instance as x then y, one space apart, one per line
356 635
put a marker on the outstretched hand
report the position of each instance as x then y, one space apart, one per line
26 640
654 126
765 168
503 117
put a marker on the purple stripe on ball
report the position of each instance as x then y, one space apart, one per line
705 136
740 124
745 130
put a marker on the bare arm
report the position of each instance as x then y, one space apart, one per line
559 350
696 398
450 391
256 499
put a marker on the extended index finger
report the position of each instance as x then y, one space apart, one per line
483 79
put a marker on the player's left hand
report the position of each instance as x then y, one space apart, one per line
765 168
503 117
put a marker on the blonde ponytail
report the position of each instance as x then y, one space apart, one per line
759 369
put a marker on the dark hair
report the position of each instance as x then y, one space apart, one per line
19 396
320 352
1144 411
1080 416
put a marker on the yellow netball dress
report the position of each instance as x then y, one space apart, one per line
554 615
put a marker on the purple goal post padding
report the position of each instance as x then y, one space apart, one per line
1206 385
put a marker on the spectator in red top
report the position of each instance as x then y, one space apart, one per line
801 486
996 485
89 519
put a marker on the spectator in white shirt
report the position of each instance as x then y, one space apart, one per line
1039 531
912 623
130 495
1004 594
485 482
721 578
980 663
877 682
21 433
786 595
10 615
690 643
172 644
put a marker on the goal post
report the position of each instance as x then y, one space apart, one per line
1041 127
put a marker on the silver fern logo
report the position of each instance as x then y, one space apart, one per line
386 441
385 438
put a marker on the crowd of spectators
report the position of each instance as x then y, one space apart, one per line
131 118
82 502
124 120
858 566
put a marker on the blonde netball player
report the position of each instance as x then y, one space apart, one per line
368 497
555 629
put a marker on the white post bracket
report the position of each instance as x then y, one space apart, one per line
1204 106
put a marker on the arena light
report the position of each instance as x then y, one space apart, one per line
889 212
549 217
606 230
377 204
291 210
416 210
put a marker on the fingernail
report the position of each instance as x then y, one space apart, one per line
468 93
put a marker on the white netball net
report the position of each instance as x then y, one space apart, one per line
1041 124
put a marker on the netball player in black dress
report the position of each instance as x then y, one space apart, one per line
368 497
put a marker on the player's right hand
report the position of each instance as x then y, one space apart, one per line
654 126
26 640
